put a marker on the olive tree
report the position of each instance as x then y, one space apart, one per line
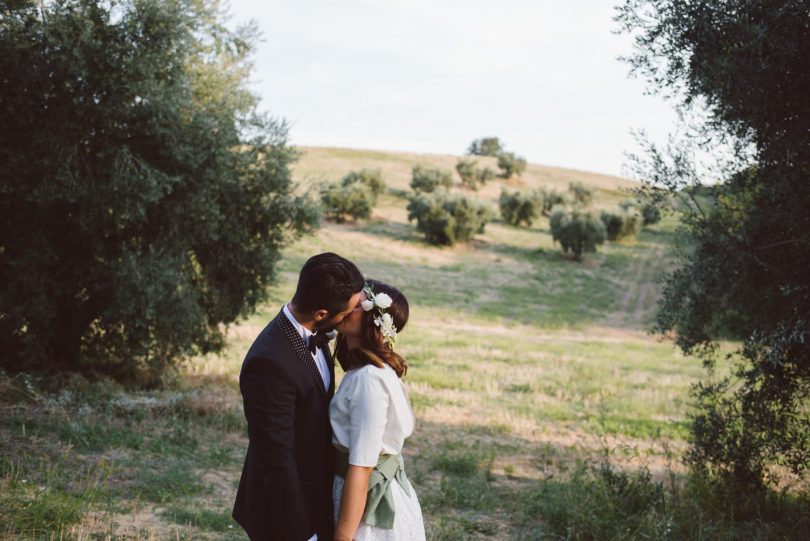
446 219
744 271
145 200
577 232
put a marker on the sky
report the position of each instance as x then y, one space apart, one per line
431 76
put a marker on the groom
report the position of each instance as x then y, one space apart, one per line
287 380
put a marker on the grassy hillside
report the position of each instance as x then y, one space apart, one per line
523 366
319 164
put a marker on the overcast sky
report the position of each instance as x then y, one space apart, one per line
431 76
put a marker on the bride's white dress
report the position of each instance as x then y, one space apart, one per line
370 416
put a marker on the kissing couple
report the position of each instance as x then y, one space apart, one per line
324 465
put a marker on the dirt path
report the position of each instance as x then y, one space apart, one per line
640 290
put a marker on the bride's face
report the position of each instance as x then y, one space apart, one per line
352 324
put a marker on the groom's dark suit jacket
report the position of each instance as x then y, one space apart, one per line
285 492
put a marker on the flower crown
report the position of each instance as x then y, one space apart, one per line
384 321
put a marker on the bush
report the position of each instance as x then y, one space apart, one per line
427 180
620 225
487 146
472 176
582 195
520 207
510 164
578 231
354 196
141 186
353 200
446 219
650 214
553 199
371 178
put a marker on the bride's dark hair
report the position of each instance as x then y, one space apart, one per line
373 349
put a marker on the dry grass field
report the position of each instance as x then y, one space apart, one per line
524 367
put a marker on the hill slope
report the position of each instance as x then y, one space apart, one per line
320 164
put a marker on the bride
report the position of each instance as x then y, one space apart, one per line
371 417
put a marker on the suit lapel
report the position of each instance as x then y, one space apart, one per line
301 349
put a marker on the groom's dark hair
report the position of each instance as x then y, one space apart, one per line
327 281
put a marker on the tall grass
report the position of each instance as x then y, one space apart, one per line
48 495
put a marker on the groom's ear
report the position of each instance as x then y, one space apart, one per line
320 315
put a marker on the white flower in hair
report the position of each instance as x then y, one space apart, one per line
386 324
382 300
384 321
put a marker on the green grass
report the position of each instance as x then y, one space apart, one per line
601 502
526 369
214 520
47 493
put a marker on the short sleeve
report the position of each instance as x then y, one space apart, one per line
368 412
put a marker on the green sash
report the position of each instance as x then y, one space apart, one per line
379 509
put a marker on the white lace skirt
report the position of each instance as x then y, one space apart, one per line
408 523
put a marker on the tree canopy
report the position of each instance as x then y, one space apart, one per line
737 71
144 198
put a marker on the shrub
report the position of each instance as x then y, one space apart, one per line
486 146
426 180
578 231
472 176
520 207
371 178
582 195
446 219
353 200
510 164
650 214
620 225
553 199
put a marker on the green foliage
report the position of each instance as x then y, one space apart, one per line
341 201
140 186
551 199
486 146
603 502
520 207
354 196
511 164
620 225
446 219
473 176
577 231
650 214
371 178
582 195
744 267
427 180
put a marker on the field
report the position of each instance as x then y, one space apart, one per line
524 368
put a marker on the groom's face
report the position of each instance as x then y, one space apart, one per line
330 321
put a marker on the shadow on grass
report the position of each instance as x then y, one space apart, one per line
393 230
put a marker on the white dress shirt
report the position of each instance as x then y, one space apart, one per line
320 360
